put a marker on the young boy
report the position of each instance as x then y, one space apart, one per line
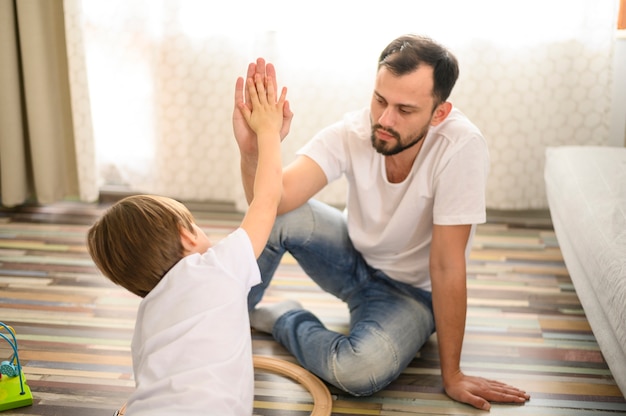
191 348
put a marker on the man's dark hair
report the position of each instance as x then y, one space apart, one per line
406 53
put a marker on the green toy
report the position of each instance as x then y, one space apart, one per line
14 391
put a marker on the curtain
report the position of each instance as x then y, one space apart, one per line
161 73
37 142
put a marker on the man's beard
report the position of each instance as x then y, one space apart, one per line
388 149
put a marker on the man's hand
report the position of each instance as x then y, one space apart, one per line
479 392
266 117
246 139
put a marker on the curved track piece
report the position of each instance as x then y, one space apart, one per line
322 401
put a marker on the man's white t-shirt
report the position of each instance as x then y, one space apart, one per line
390 224
191 348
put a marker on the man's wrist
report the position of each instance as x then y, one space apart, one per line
448 376
250 158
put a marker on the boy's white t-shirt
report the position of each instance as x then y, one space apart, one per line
191 349
390 224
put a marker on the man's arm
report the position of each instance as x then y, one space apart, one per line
448 276
302 179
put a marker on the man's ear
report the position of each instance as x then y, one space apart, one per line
188 239
441 112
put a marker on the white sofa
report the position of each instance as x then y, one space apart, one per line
586 189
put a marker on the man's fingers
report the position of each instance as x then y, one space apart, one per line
253 93
251 70
239 91
245 111
503 393
474 400
509 391
283 95
270 71
260 89
480 393
249 75
271 89
260 69
287 113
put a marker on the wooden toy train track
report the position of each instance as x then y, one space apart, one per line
322 401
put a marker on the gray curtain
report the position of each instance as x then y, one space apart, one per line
37 153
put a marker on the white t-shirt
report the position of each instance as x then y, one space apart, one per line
391 223
192 351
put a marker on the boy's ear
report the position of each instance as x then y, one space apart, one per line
188 239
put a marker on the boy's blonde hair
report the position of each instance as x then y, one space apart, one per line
138 240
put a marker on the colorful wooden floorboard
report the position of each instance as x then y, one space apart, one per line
525 326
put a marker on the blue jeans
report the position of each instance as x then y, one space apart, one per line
389 320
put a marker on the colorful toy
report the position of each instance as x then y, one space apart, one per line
14 391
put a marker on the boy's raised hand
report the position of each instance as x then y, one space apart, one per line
266 114
245 136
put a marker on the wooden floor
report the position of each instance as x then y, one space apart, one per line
525 326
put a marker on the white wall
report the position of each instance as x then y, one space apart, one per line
617 131
160 84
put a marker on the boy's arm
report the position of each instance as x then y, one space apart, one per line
265 119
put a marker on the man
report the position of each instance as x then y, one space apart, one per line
416 169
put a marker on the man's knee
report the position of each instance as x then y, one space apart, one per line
292 225
364 369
